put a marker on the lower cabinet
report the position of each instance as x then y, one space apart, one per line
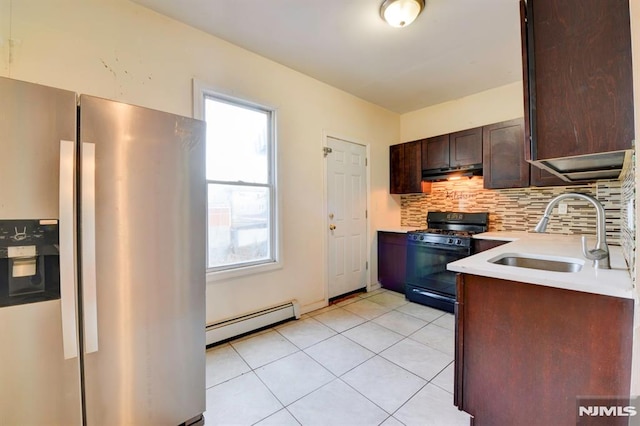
392 260
524 352
479 245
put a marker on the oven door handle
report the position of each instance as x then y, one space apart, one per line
444 248
430 294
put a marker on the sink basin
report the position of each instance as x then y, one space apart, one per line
544 263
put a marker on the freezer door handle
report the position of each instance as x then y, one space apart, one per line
88 246
67 249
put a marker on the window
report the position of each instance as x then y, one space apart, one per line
241 184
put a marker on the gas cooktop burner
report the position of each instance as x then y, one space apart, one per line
450 229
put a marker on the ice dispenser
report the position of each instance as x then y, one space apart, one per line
29 261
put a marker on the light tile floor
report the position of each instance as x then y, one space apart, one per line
371 359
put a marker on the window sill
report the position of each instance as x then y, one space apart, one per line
219 276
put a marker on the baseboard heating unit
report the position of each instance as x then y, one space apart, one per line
233 327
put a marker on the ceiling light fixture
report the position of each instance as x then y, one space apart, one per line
400 13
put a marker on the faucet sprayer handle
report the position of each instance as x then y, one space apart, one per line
600 256
542 225
595 254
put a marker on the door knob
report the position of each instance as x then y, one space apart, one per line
332 227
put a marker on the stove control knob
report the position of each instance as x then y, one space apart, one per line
421 237
458 242
450 240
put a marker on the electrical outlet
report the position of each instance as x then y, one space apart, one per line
562 208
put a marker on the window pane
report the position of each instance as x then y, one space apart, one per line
238 225
237 143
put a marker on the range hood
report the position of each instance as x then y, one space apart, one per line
606 165
452 173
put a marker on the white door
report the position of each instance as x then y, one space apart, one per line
347 216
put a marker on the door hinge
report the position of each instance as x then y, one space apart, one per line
366 265
366 214
327 150
366 162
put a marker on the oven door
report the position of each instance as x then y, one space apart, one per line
428 282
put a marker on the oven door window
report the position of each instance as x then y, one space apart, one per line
427 267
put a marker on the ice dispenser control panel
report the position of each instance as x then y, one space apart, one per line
29 261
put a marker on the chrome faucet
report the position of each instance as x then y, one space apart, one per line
600 254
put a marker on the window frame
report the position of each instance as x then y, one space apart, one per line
274 261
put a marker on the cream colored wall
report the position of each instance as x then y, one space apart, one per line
491 106
119 50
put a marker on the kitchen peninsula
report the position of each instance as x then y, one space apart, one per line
532 343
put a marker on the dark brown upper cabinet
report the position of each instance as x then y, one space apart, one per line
496 148
503 159
578 86
503 163
452 150
405 168
435 153
465 147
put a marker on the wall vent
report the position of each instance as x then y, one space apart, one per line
233 327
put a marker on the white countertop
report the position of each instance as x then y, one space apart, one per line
400 229
609 282
504 235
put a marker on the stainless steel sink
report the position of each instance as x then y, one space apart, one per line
544 263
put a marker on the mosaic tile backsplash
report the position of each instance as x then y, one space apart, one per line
520 209
628 218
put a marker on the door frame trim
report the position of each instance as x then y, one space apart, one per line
326 134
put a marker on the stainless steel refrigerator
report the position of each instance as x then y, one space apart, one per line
102 261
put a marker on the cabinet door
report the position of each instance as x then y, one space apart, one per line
392 260
465 147
396 167
503 163
483 245
526 351
435 153
580 77
405 168
524 43
413 166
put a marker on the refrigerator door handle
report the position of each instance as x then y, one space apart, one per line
66 248
88 246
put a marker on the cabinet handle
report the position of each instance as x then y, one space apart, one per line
67 249
88 235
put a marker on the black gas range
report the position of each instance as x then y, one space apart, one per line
446 239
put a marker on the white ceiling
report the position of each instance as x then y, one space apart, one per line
455 48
